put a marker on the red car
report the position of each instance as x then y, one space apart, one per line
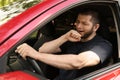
50 19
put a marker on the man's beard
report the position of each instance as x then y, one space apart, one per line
86 35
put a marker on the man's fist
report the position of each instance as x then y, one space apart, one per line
73 36
25 50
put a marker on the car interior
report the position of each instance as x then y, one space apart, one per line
60 25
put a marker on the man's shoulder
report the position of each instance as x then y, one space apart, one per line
103 41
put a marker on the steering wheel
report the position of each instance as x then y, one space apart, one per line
35 66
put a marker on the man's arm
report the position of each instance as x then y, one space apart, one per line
67 62
53 46
70 61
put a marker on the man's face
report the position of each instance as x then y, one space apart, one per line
84 25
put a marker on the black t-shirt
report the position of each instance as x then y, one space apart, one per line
100 46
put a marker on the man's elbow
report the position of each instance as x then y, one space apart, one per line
42 48
92 62
78 64
86 63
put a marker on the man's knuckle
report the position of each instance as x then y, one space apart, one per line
24 43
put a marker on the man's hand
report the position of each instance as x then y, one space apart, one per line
72 36
25 50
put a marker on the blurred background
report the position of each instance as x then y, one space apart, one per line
11 8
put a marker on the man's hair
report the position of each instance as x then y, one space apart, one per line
94 14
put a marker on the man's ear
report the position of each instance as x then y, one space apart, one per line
96 27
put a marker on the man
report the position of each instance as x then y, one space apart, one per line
83 50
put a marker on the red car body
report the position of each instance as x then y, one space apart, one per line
15 30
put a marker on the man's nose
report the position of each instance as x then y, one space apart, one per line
79 25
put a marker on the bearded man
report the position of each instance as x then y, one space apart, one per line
83 50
